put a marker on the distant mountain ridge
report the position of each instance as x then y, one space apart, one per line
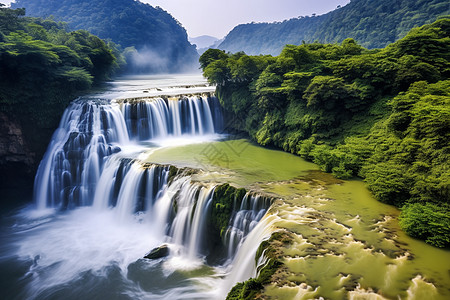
372 23
160 39
203 41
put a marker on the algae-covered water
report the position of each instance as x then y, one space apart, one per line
235 161
346 244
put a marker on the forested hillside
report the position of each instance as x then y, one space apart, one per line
42 68
160 39
372 23
383 115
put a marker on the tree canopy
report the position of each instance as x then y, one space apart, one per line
43 67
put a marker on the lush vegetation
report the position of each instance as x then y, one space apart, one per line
360 20
43 67
379 114
160 39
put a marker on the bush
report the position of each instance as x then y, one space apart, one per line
430 222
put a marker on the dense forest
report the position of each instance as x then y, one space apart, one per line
43 67
383 115
160 40
360 20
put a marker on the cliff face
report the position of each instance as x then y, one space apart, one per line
18 162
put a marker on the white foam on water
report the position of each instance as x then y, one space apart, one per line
79 241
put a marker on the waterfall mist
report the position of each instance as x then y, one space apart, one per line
148 60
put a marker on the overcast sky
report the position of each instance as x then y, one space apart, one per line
218 17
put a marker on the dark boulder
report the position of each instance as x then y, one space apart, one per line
158 252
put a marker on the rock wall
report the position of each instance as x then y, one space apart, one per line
17 162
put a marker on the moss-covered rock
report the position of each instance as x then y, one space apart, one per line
245 290
226 200
173 171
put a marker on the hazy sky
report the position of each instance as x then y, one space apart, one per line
218 17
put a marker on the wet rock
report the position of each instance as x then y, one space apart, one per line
158 252
17 160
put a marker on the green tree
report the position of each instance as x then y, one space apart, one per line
211 55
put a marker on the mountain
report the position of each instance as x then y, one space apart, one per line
213 46
372 23
160 40
203 41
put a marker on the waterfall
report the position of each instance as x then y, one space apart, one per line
189 224
245 263
179 210
79 168
92 130
88 133
217 114
130 186
157 117
84 166
250 212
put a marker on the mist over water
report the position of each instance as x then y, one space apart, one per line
147 60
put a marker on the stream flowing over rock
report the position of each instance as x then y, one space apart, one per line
93 162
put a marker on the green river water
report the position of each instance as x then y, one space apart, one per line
346 244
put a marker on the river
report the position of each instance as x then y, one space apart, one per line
105 195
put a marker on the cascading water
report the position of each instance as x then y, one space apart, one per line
89 169
192 203
103 202
245 219
182 207
89 132
158 117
